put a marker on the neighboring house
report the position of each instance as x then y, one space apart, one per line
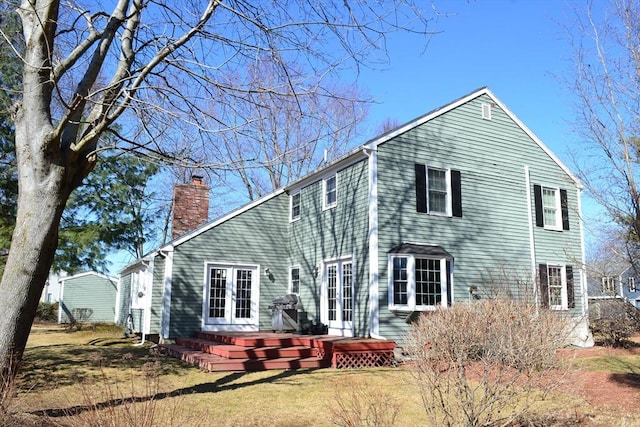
461 204
615 281
88 297
51 291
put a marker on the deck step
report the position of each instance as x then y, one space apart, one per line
215 363
232 351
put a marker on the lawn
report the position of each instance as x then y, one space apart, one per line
97 377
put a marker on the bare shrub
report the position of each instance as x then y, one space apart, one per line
8 386
487 362
136 402
360 404
613 321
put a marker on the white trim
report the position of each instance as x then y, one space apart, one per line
220 220
165 325
347 329
291 196
325 205
374 273
290 285
411 283
532 241
583 270
88 273
230 322
483 91
557 207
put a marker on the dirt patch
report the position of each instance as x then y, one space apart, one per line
607 390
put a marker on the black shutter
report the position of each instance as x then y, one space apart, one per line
571 301
449 290
564 205
421 188
456 194
537 197
544 285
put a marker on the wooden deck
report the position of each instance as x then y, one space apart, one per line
258 351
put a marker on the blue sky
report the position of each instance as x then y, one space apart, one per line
517 48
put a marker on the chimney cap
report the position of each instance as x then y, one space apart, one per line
197 179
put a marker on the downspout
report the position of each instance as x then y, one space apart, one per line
532 244
374 298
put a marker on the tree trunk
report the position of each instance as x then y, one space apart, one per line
45 183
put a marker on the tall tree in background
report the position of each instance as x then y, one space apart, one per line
606 40
279 135
152 63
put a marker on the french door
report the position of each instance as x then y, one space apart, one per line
337 297
231 295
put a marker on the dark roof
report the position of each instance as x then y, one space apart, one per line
420 249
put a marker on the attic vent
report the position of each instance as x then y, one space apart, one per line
486 111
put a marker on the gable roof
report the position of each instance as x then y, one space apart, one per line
463 100
357 154
88 273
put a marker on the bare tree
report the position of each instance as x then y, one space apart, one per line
274 137
149 64
606 40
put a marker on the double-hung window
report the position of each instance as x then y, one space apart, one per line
295 206
556 286
418 282
294 280
438 191
551 207
608 284
329 192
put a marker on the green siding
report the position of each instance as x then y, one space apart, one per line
125 299
334 233
493 234
256 236
92 294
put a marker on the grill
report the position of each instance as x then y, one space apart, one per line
284 313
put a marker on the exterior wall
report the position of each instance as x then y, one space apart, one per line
156 295
320 235
256 236
92 295
493 234
125 299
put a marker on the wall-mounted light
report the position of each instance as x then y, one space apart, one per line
267 271
316 269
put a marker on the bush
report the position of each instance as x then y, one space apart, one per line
613 321
483 363
47 312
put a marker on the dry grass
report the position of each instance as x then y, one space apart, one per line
66 376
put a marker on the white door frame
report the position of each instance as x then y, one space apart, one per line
335 321
229 321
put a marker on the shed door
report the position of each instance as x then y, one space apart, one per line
232 295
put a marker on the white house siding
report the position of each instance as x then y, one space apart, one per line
493 232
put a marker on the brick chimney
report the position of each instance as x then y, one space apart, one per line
190 206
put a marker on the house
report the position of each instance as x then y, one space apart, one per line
88 297
616 279
462 204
